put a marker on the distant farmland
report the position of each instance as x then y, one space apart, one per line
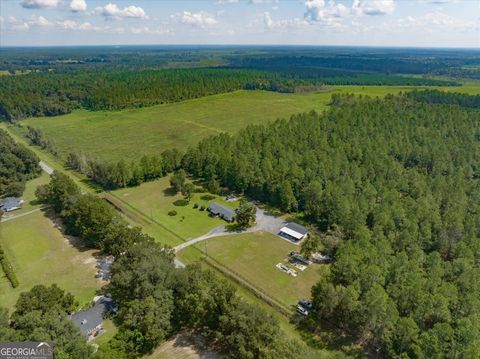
113 135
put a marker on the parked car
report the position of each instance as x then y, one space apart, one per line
302 311
305 303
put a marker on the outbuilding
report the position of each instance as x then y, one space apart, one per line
216 209
10 204
294 231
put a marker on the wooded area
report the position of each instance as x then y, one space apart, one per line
17 165
393 184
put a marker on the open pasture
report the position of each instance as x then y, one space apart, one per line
127 134
40 254
254 257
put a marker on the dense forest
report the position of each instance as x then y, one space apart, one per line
446 98
393 185
155 300
17 165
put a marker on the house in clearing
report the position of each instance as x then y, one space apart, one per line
90 321
217 210
294 232
10 204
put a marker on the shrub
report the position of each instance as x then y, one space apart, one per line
208 197
172 213
195 205
202 208
181 203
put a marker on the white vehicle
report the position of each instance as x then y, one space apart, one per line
301 310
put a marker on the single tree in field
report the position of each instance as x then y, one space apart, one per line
246 214
177 180
310 245
187 190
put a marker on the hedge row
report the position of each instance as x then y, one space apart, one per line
8 269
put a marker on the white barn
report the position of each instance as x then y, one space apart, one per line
294 231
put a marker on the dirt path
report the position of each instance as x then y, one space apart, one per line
6 219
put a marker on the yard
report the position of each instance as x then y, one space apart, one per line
40 254
154 200
254 257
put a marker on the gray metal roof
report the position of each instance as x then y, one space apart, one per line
297 228
93 317
10 202
225 212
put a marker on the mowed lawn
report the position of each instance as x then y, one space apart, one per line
40 254
127 134
153 200
254 256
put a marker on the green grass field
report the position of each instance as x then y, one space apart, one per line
131 133
254 256
40 254
154 200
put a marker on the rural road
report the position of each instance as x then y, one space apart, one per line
46 168
6 219
264 222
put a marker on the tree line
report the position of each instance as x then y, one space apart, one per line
393 185
53 93
446 98
155 299
17 165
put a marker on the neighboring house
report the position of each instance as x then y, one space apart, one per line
216 209
90 321
294 231
10 204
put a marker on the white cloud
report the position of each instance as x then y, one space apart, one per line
147 30
200 19
39 4
373 7
40 21
113 11
435 20
226 2
12 23
78 5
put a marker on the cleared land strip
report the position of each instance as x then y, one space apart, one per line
6 219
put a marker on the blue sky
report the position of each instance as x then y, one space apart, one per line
431 23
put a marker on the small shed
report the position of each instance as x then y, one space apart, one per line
10 204
294 231
216 209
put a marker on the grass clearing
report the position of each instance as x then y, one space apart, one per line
155 199
254 256
127 134
40 254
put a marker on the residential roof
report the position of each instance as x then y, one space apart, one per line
225 212
294 230
11 203
88 320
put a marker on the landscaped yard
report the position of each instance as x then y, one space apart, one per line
130 133
40 254
155 199
254 256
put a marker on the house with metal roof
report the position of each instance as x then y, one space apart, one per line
90 321
217 210
10 204
294 231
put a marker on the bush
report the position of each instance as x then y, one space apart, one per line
181 203
195 205
8 269
202 208
172 213
208 197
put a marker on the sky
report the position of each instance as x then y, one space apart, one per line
410 23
